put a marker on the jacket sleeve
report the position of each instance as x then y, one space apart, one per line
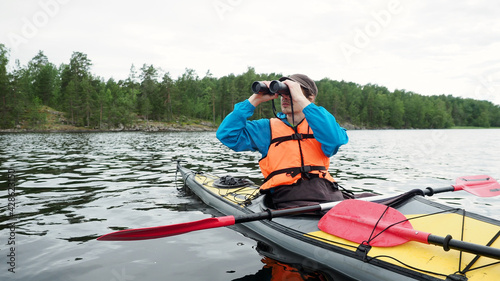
239 134
326 129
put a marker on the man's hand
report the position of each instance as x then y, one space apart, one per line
298 98
257 99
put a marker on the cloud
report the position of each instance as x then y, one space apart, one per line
428 47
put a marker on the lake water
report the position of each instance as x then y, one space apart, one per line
73 187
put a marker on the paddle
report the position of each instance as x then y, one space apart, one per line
176 229
471 183
480 185
378 225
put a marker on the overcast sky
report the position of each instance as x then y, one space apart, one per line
428 47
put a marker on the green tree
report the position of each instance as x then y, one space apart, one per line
397 109
44 75
5 91
86 100
166 88
326 96
24 106
76 91
225 89
149 102
121 99
187 91
207 101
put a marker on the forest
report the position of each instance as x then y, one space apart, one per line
149 93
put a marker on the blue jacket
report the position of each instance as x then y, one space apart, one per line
240 134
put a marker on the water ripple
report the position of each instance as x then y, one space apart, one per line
72 188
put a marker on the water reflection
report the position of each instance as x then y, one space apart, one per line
275 270
73 188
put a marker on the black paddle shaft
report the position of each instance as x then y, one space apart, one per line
269 214
429 191
449 243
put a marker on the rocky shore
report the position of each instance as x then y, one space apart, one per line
151 127
55 121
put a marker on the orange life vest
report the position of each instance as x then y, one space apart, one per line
293 154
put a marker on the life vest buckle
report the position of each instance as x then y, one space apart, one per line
297 136
305 169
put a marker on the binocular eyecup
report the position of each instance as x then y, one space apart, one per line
276 87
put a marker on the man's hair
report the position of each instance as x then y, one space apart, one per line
307 93
308 86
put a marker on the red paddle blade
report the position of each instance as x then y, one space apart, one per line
167 230
362 221
480 185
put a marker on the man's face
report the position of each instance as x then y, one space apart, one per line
286 104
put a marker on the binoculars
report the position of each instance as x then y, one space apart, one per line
276 87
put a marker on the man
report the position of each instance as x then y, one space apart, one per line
296 147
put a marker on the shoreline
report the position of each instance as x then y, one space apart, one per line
56 122
173 128
182 128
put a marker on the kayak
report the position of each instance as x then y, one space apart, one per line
298 239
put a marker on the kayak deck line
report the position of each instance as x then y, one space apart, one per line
238 195
300 238
455 261
468 267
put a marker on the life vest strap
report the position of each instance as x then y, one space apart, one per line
295 136
295 171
